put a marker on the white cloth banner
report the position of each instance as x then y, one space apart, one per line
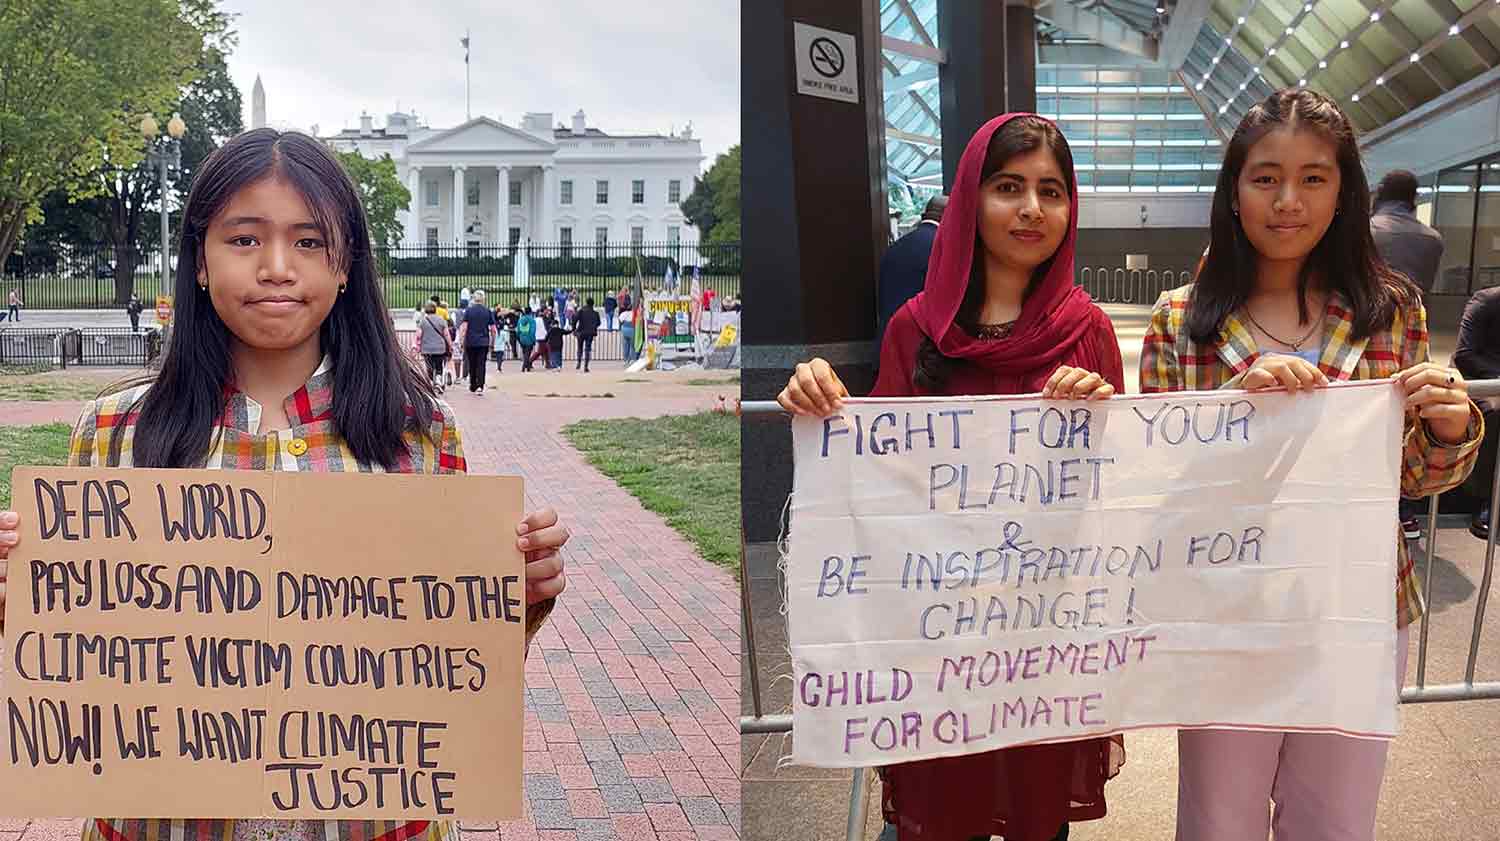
970 574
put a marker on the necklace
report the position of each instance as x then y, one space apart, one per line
993 331
1295 346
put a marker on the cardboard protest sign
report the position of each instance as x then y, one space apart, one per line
966 575
190 643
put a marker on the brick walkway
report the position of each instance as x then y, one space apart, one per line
633 685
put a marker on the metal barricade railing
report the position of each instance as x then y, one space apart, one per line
1469 690
1129 286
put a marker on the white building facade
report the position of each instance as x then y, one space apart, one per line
485 182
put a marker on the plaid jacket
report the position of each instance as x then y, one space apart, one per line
1171 361
312 444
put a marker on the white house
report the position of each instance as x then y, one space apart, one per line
488 182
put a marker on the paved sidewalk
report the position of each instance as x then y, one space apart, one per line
633 684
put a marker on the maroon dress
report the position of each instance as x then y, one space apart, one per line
1023 793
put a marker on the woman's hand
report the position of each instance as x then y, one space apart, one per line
1291 372
9 539
813 390
539 537
1068 383
1441 397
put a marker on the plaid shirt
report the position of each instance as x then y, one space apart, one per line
1171 361
311 444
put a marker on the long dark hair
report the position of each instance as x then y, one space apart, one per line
1345 258
376 393
1017 137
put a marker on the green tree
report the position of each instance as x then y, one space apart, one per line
714 205
76 75
382 192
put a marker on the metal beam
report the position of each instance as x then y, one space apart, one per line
1105 29
924 140
911 49
916 22
1188 17
906 81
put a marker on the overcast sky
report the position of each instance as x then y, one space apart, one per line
631 67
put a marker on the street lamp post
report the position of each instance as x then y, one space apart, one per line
164 153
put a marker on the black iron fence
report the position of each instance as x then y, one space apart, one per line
49 276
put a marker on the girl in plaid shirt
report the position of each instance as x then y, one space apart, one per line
1291 294
284 358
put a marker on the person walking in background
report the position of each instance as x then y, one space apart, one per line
1413 249
627 334
1478 358
502 338
13 305
512 321
903 269
553 343
526 337
433 342
476 335
626 302
610 303
586 327
133 309
464 296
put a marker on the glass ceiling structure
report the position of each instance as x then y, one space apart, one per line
1379 59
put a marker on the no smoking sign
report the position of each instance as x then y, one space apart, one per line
826 63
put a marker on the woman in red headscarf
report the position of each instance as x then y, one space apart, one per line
1000 314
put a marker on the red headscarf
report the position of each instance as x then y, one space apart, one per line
1055 318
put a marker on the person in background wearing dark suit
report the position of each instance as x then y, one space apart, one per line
1478 358
1414 250
903 269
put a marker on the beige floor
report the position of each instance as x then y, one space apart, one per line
1442 781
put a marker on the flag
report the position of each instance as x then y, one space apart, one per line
465 41
642 323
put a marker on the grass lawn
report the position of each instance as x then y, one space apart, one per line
22 387
45 444
684 467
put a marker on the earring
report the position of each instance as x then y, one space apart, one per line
342 287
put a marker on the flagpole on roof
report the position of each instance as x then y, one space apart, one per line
467 83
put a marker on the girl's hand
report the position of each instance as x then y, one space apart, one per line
9 539
1291 372
813 390
539 536
1067 383
1441 397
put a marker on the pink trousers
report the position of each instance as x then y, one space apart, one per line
1325 787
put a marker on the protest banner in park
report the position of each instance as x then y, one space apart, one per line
183 643
966 575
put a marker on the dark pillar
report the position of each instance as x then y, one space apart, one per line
814 226
978 81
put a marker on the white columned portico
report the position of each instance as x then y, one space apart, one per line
502 224
544 207
414 215
459 199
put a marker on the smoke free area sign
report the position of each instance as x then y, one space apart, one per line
826 63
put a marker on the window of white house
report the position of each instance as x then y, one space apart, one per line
674 191
565 239
637 236
674 234
515 194
471 194
515 239
601 237
432 194
601 192
567 192
638 192
432 242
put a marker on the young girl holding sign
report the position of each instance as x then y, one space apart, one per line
284 358
1292 294
999 315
